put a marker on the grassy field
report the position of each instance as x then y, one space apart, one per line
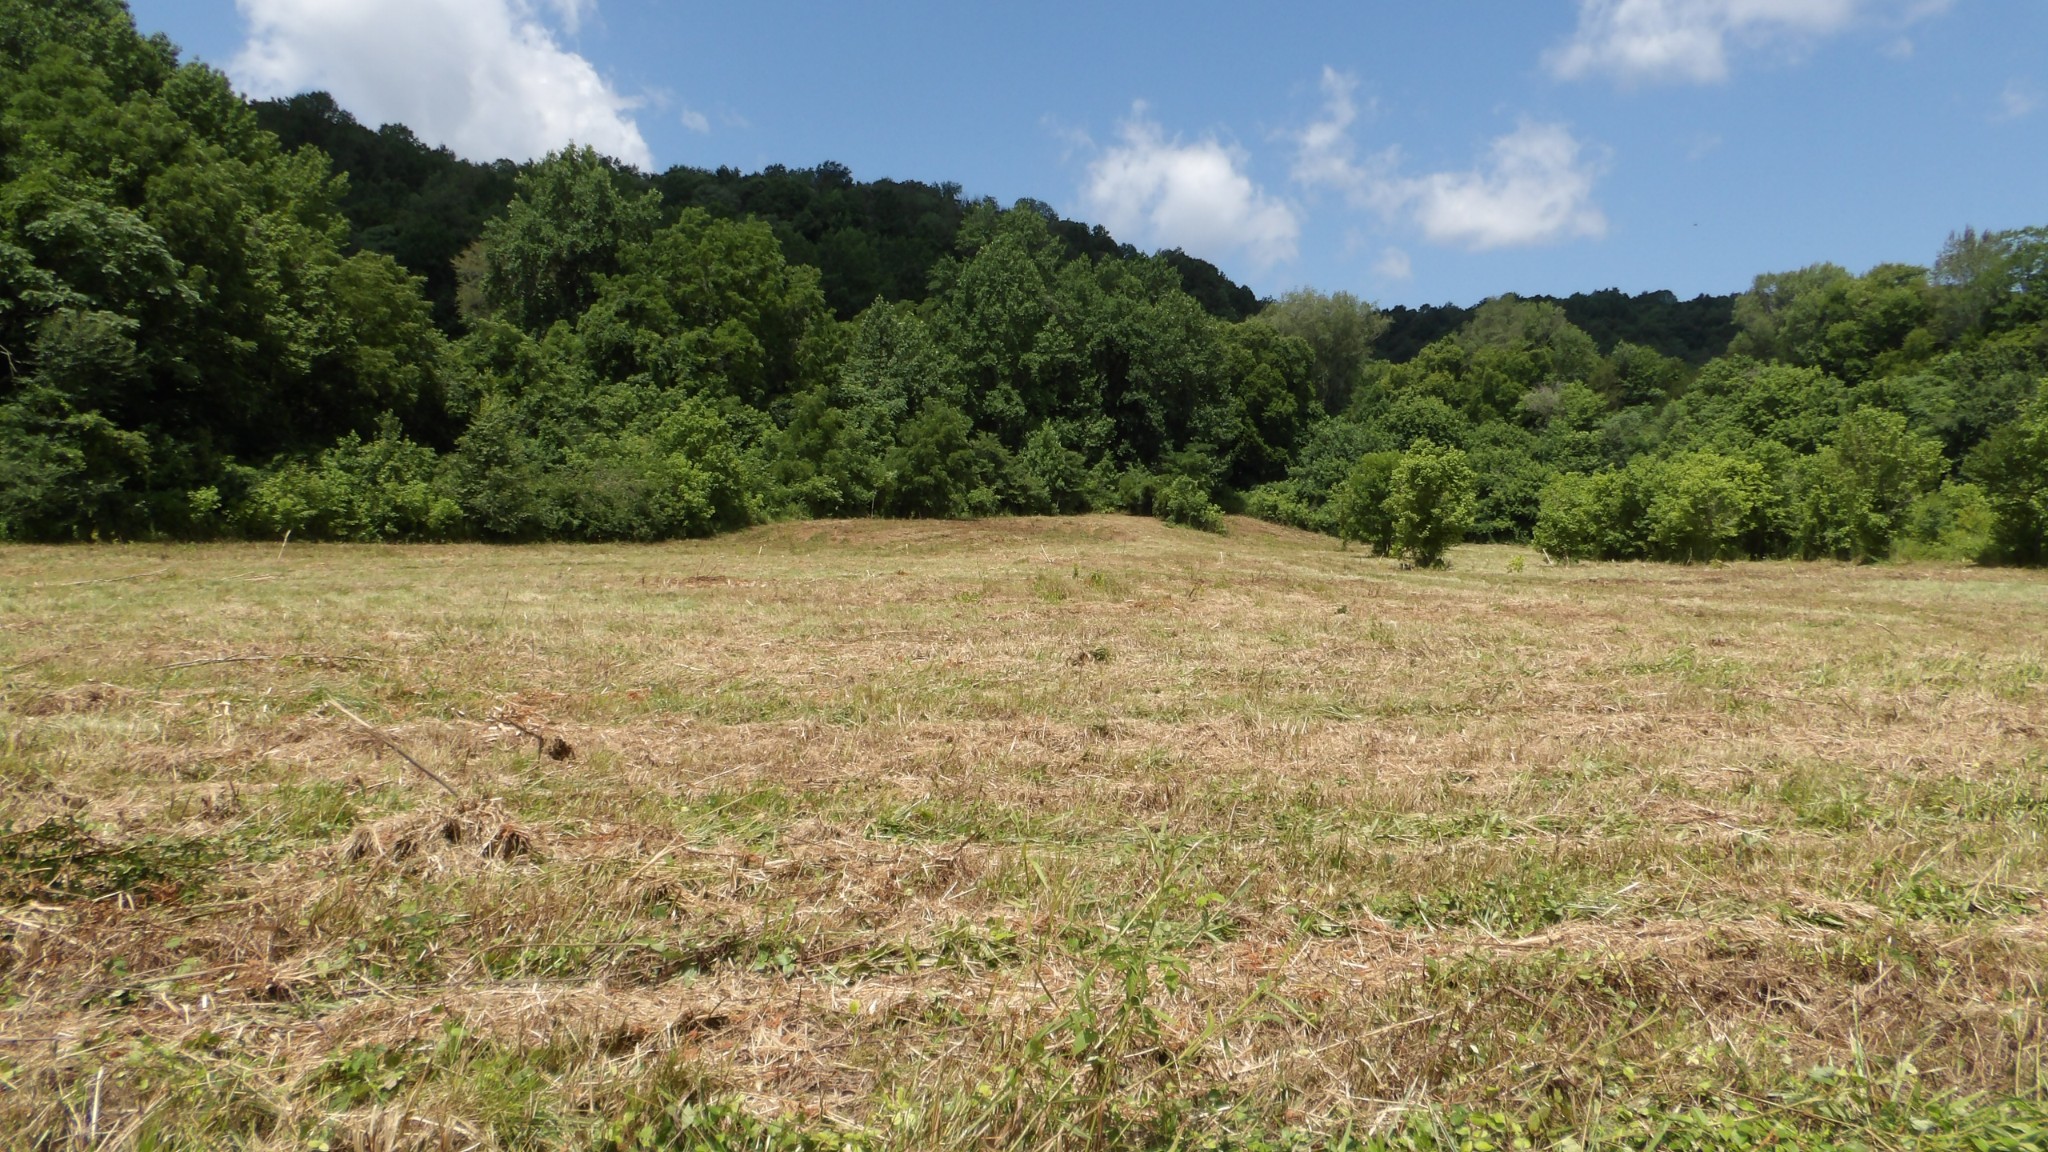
1025 833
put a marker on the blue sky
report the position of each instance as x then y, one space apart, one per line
1408 152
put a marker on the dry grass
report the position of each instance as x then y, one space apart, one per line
1022 833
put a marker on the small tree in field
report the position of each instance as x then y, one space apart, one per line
1359 505
1430 502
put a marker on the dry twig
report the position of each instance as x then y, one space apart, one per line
388 742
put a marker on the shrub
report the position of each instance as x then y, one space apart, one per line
1058 474
1701 504
1855 490
1281 503
1430 502
1135 489
66 474
382 489
932 473
1185 501
1573 517
1954 523
2012 468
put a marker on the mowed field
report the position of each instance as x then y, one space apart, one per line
1022 833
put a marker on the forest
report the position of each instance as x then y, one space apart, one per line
221 318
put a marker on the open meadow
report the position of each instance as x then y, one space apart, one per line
1021 833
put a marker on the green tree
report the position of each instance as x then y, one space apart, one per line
1574 517
2012 469
1358 507
933 471
1852 327
1860 485
1430 502
1701 504
1340 330
1738 401
1185 500
710 307
174 297
382 489
1636 375
1538 330
572 223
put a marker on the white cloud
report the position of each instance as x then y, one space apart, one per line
1536 186
1690 41
484 77
1394 264
570 12
2018 101
696 122
1325 153
1187 195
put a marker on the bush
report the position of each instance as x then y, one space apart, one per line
1954 523
2012 468
1701 504
1573 517
1135 489
1854 491
382 489
1185 501
1430 502
1057 473
1281 503
66 474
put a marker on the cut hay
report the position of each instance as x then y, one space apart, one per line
479 829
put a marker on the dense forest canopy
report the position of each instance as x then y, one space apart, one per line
425 207
219 318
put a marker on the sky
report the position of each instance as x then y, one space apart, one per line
1407 152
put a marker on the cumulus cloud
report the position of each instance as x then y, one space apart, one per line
696 121
1535 187
1194 195
1690 41
487 78
1394 264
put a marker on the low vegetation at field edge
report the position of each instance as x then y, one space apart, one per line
1019 833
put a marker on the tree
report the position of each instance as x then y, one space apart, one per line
1430 502
1358 506
1852 327
1637 375
571 223
1339 328
1185 501
932 473
1536 329
710 307
1701 504
1738 401
1573 518
2012 468
174 298
1860 485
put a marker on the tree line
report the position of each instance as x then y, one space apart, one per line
222 319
